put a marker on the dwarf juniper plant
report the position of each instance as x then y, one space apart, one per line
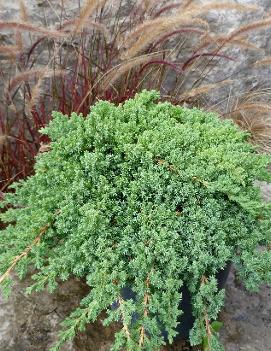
147 195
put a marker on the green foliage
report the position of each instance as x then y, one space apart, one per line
147 195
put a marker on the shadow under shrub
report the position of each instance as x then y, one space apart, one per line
143 194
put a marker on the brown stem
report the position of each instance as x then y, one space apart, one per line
145 302
204 280
208 329
125 327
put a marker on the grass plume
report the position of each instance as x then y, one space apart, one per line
112 76
38 88
197 10
28 75
252 112
204 89
266 61
28 27
256 25
87 10
152 30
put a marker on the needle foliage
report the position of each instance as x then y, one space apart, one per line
147 195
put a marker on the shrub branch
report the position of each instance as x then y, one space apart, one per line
25 253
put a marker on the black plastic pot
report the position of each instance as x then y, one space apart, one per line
186 319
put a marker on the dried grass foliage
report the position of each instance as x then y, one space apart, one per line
24 19
9 50
87 10
252 112
186 4
259 127
116 72
221 41
73 25
240 43
38 87
28 27
28 75
23 11
153 30
257 107
3 139
204 89
200 10
266 61
247 28
187 15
